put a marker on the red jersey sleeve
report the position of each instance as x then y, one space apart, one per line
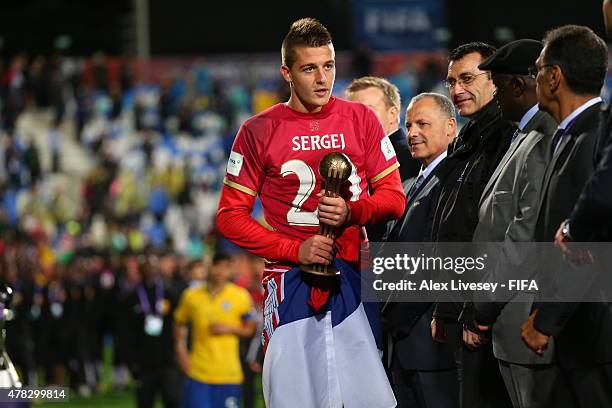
381 159
243 182
245 171
234 221
388 200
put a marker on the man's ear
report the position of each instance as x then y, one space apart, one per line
556 76
518 86
394 114
451 126
286 73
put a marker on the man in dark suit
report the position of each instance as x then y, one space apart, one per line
384 98
508 214
423 371
570 73
591 218
472 158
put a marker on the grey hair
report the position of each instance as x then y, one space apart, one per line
444 103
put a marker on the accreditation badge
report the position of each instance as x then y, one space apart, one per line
153 325
57 310
35 312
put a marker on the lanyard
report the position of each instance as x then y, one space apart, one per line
145 306
55 291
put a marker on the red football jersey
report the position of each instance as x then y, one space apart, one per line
276 154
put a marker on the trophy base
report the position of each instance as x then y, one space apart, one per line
320 270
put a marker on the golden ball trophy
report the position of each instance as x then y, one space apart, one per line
335 169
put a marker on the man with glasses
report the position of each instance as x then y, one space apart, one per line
570 73
508 214
471 160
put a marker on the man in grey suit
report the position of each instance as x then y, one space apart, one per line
508 214
423 370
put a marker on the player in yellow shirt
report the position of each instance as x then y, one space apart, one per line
218 313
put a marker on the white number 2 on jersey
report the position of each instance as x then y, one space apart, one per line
307 180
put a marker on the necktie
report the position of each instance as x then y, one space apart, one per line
415 186
556 140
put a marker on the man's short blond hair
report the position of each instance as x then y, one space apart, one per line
390 91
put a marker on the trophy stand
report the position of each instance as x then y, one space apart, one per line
335 169
8 374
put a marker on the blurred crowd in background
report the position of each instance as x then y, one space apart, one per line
106 176
95 157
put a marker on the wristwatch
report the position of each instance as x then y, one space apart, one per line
565 231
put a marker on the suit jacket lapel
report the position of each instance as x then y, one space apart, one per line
551 168
535 122
412 195
529 126
417 195
574 130
553 161
407 187
399 226
502 164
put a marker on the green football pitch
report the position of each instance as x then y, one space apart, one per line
107 397
111 399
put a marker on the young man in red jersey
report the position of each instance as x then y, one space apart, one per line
321 346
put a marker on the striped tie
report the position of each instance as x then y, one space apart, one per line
415 186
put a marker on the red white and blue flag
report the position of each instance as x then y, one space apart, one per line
329 358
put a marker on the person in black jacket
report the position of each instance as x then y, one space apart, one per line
151 306
471 160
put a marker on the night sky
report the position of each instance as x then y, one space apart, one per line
191 27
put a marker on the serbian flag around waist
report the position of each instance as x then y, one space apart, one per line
325 359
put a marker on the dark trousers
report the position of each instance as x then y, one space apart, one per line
529 386
480 382
248 385
425 389
168 382
583 387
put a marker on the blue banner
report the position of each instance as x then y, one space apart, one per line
398 25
